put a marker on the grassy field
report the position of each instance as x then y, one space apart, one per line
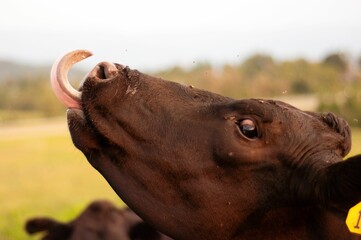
41 173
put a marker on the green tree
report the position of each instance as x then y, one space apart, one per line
256 64
337 60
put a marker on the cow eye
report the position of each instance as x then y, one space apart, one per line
248 128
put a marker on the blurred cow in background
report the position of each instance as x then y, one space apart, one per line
101 220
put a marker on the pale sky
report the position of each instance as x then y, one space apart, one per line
158 33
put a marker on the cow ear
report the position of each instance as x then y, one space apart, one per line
340 126
53 229
340 184
35 225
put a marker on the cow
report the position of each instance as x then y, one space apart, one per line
199 165
101 220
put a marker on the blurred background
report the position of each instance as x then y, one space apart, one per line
307 53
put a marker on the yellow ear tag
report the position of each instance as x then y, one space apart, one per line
353 220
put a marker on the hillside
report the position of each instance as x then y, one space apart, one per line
11 70
16 71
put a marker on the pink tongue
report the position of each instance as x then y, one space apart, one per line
59 80
63 96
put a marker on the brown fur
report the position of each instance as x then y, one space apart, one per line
178 157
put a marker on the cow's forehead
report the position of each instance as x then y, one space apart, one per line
273 110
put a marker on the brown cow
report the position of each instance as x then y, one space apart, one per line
214 167
101 220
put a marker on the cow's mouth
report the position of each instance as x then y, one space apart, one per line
69 96
87 106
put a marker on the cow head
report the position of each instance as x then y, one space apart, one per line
101 220
198 164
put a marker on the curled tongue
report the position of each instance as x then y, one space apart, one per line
59 78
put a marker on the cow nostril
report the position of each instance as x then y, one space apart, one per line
104 70
101 73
